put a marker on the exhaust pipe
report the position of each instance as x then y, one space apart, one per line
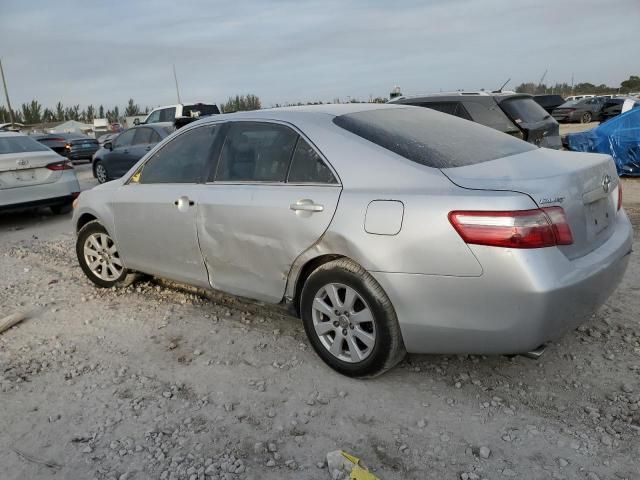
536 353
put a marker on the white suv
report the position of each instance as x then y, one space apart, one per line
170 113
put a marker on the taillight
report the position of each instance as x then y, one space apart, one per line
536 228
619 195
64 165
68 146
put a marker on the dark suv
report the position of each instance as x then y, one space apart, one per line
513 113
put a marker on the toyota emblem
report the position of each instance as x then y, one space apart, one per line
606 183
22 162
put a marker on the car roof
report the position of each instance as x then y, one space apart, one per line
459 96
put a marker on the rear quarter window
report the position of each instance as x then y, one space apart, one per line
431 138
524 110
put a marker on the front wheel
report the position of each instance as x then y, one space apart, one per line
101 172
350 321
586 117
99 258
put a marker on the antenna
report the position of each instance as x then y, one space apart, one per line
6 94
503 85
175 77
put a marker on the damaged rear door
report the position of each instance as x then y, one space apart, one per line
271 196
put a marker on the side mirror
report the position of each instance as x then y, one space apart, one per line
108 145
136 121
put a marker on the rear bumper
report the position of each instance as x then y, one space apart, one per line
65 189
523 299
80 154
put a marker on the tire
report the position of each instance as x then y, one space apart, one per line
585 118
101 172
109 273
351 355
62 209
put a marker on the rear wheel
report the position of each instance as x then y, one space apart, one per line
99 258
350 321
101 172
586 117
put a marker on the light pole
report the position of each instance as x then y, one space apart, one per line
6 94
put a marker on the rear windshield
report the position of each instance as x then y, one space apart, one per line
202 108
431 138
19 144
524 110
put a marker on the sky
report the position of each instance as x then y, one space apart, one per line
105 52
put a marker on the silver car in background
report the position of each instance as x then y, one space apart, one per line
389 229
32 175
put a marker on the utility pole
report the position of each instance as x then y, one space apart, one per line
6 94
175 77
571 83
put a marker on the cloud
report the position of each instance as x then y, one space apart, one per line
284 50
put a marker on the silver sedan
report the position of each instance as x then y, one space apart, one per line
32 175
389 229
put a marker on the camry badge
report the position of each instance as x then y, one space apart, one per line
606 183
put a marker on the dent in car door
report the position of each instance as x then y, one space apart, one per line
251 224
251 234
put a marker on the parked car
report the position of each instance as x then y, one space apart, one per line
578 97
387 228
549 102
74 146
613 107
169 113
121 153
618 137
583 111
515 114
33 175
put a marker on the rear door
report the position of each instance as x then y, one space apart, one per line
271 197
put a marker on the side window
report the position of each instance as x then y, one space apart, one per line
183 160
308 167
258 152
168 114
444 107
154 117
143 136
489 115
124 139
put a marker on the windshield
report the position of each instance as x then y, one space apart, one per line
431 138
20 144
524 110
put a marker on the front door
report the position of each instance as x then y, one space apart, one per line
271 198
119 157
155 212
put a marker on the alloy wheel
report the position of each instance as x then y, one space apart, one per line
344 322
102 258
101 173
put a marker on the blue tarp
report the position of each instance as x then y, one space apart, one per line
618 137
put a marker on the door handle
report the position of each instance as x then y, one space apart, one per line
306 205
183 203
148 148
125 151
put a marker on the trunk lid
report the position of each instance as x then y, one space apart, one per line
28 168
584 185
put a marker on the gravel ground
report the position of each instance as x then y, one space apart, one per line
161 381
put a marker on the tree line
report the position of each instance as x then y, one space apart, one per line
632 84
33 112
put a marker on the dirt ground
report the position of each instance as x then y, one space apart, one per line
155 382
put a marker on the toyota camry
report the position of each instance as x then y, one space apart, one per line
387 228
